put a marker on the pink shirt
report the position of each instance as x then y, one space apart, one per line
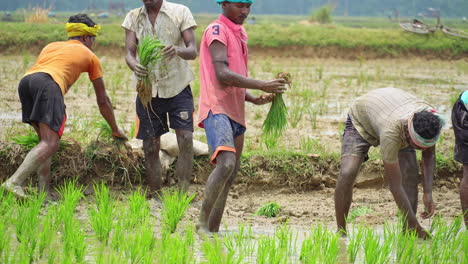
215 97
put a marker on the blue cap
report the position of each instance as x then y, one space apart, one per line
235 1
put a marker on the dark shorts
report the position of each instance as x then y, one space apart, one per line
460 129
220 133
179 109
42 101
355 145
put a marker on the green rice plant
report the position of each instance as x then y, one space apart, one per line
407 248
5 239
104 129
269 210
7 204
149 52
28 141
444 240
355 243
215 253
70 195
174 205
139 246
48 230
269 252
464 246
175 248
375 251
100 215
240 241
74 241
276 120
138 209
357 212
320 247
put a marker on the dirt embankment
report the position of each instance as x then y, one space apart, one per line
116 164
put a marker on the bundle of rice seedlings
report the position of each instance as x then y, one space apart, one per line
276 120
269 210
149 52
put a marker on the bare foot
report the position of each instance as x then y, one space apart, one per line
203 231
15 189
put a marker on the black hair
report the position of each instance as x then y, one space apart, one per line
82 18
426 124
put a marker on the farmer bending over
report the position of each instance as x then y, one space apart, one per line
399 122
460 127
223 79
41 92
173 24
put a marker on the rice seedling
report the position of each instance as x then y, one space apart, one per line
269 210
375 251
276 120
357 212
28 141
320 247
444 241
240 242
176 249
4 239
174 205
269 252
48 231
100 215
214 252
355 243
7 204
149 52
70 195
138 209
74 241
139 246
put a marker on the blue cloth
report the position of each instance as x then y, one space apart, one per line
220 132
464 97
235 1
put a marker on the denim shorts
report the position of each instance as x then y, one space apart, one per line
179 109
220 133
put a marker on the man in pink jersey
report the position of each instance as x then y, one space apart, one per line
223 82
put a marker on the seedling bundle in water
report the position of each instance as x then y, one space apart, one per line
269 210
149 51
276 119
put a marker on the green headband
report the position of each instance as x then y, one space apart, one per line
235 1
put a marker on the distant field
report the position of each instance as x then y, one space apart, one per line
378 37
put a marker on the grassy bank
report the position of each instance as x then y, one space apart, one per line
379 37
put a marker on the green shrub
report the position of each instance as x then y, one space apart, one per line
322 15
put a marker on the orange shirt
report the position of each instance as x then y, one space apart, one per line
65 61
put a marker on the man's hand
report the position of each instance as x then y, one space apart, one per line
264 99
274 86
119 134
140 71
428 205
169 52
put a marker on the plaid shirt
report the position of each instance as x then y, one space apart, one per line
168 77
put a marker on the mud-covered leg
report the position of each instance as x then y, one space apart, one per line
218 208
409 173
153 163
344 189
185 160
44 176
464 193
225 165
40 154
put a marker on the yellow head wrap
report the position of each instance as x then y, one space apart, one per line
80 29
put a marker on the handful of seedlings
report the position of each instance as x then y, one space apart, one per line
269 210
276 121
149 51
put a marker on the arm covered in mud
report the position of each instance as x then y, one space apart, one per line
428 166
394 180
105 107
227 77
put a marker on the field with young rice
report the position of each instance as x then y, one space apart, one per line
298 174
127 228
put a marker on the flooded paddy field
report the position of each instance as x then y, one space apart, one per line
317 105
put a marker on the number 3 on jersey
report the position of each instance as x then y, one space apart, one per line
215 30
